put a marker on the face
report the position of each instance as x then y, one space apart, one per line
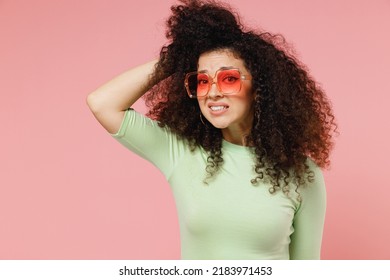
232 113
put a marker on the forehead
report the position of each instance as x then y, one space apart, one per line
214 60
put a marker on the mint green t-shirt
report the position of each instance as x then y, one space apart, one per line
229 218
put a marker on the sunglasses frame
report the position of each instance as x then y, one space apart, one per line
213 81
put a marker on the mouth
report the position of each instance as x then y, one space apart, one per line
218 108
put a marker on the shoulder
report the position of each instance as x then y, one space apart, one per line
315 176
313 192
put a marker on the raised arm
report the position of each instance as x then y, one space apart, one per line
109 102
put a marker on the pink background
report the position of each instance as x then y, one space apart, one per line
69 191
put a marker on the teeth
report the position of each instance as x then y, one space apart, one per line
217 108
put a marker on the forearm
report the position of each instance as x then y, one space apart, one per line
123 91
109 102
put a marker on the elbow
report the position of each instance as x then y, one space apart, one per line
92 102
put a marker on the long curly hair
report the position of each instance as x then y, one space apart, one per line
293 120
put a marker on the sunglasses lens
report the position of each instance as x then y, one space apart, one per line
229 81
198 84
203 84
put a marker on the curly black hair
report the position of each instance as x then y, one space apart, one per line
293 119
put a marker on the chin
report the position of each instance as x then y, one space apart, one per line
220 125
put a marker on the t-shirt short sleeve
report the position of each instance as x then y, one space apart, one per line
146 138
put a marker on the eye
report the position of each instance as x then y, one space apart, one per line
229 76
230 79
203 80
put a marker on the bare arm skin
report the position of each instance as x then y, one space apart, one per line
109 102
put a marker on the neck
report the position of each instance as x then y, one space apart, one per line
238 137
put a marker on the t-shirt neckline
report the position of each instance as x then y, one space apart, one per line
228 146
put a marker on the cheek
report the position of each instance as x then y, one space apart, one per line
246 93
250 97
245 101
202 104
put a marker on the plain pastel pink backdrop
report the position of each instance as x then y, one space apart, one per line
70 191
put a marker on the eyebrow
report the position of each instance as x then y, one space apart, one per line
221 68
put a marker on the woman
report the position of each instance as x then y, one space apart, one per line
239 130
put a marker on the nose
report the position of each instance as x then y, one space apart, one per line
214 92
